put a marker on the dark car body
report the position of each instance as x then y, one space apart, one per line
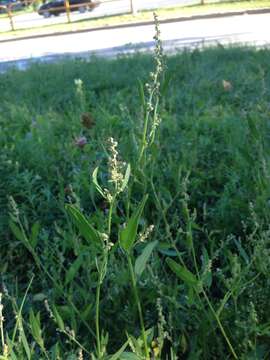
57 7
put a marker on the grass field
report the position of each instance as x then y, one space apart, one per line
84 274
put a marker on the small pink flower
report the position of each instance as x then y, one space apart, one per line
80 142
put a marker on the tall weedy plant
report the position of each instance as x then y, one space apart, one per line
117 182
151 122
151 100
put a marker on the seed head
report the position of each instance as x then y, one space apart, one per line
115 165
146 234
79 84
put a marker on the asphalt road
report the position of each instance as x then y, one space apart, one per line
107 7
244 29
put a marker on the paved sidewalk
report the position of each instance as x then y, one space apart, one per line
214 15
240 29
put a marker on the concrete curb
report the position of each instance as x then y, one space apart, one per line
143 23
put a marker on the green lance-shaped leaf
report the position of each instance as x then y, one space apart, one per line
126 178
129 356
58 318
141 261
34 234
25 344
117 355
73 270
18 233
34 321
95 181
184 274
86 229
127 236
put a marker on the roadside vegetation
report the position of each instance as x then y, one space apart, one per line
135 208
98 22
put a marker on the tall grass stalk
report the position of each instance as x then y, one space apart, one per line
101 275
2 325
190 243
139 307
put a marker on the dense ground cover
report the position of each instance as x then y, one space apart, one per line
206 174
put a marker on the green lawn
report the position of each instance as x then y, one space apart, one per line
202 274
163 14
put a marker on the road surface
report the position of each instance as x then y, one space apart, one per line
106 8
244 29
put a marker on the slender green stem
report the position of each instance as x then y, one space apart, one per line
101 275
145 128
204 293
97 317
18 315
100 279
110 215
190 241
155 118
45 353
209 303
220 325
2 329
134 285
72 338
143 142
193 251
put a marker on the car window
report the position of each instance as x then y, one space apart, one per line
73 2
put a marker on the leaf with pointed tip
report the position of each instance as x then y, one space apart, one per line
17 232
129 356
117 355
141 261
182 273
127 236
58 318
95 181
20 235
34 234
126 178
25 343
86 229
34 321
73 270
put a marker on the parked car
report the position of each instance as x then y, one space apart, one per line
56 7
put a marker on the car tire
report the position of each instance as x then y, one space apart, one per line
82 9
46 14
